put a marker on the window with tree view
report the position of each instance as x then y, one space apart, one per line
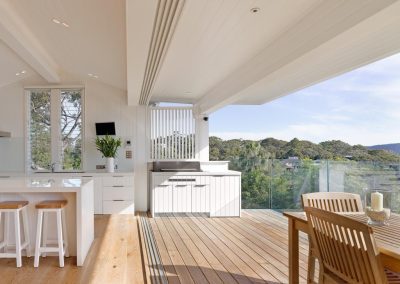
55 129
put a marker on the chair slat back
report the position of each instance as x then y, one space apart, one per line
333 201
345 247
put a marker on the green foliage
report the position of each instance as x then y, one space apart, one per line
275 173
108 146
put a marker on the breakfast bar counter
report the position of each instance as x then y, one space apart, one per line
79 211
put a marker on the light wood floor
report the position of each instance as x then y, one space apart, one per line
115 257
250 249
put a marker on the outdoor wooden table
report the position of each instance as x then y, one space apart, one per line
387 239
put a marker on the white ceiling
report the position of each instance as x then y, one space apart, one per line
11 64
94 42
217 52
213 38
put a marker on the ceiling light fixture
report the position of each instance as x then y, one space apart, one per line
23 72
17 74
93 75
255 10
59 22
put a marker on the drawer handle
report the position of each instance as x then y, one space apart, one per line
118 176
87 176
200 185
182 179
218 176
181 185
162 185
117 186
118 200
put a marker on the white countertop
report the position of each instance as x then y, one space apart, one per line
62 174
31 184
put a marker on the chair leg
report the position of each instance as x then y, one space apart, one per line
65 233
60 239
311 262
25 221
38 238
17 239
44 239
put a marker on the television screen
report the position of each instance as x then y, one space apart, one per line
105 128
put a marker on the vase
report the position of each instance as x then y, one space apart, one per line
110 165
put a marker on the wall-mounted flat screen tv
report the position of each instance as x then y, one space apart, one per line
105 128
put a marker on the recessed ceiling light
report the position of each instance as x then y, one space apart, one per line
255 10
56 21
95 76
23 71
65 24
17 74
90 74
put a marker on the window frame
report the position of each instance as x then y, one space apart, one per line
55 133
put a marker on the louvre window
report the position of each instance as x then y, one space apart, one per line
172 133
55 129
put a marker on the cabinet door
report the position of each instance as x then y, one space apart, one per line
182 198
225 196
201 195
163 199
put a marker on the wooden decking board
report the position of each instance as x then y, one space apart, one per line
197 255
213 261
278 269
165 257
231 253
255 261
251 249
194 269
179 265
276 256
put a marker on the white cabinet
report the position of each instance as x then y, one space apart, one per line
217 195
201 195
118 194
225 196
98 193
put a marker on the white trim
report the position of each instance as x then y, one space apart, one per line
55 123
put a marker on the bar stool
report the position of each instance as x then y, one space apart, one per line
45 207
16 207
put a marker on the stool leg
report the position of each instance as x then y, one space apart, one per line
60 239
6 228
44 240
17 239
25 221
65 233
38 238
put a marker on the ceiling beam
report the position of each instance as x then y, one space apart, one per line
15 33
324 23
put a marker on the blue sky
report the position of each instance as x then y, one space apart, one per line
359 107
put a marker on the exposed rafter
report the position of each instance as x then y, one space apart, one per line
329 20
20 39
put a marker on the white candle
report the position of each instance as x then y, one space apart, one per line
377 201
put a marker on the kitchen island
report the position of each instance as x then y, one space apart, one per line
79 211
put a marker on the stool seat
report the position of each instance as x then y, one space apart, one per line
13 204
52 204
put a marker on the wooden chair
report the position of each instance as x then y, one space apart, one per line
330 201
347 249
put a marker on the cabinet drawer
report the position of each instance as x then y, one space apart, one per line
118 181
118 207
118 193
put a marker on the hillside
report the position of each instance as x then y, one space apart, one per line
279 149
395 147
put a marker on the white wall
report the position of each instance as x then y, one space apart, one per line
103 103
